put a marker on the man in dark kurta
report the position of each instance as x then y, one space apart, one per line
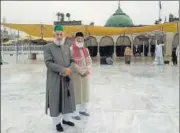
59 90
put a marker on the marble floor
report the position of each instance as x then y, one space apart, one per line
140 98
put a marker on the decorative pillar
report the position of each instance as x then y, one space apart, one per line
156 41
132 49
114 54
16 45
98 49
2 49
143 48
149 51
22 48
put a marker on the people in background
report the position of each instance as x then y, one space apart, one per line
109 60
159 54
174 56
127 55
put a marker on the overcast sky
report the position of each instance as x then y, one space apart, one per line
141 12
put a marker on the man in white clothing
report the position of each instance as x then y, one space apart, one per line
159 54
80 76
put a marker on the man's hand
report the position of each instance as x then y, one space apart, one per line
86 73
67 72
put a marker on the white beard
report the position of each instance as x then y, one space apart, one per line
59 43
79 45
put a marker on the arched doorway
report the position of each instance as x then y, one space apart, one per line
106 46
175 42
92 45
68 41
157 37
137 47
121 43
141 45
153 46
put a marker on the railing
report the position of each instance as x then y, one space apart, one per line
22 49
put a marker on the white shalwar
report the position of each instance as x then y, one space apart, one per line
57 120
80 107
83 106
81 86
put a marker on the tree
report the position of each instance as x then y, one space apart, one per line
68 16
156 22
62 16
171 15
92 24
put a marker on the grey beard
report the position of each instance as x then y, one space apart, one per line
59 43
79 45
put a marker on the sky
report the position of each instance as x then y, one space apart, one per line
36 12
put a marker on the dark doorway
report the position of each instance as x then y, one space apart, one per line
146 50
68 41
92 50
141 44
137 45
92 45
121 43
120 50
106 46
106 51
153 47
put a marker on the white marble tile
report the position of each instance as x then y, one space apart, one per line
140 98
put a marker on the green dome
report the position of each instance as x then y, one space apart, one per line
119 19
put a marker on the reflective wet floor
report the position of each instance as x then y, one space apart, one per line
137 98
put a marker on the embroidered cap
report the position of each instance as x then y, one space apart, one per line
58 28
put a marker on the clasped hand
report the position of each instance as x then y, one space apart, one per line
86 73
67 72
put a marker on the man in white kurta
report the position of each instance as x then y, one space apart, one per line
177 54
159 54
80 76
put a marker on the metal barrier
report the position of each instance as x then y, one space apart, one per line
21 53
22 49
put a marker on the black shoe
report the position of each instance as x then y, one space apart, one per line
76 117
68 123
59 128
84 113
